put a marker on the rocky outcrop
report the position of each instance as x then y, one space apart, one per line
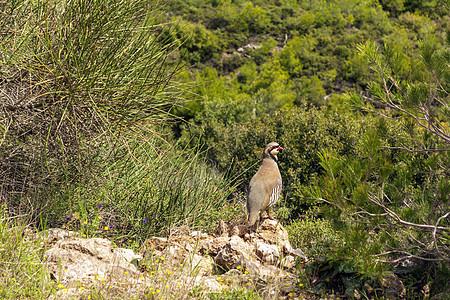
88 260
265 252
197 258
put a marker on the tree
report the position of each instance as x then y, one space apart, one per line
392 196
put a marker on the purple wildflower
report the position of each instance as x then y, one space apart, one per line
99 206
68 217
145 220
154 215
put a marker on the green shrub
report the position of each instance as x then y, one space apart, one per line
235 148
74 75
314 236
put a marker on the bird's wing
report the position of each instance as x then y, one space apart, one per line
275 193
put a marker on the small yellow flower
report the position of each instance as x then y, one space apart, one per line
81 288
103 279
246 272
181 265
100 217
287 284
60 286
64 290
167 286
106 228
162 257
300 285
158 291
85 222
238 267
89 297
126 272
169 272
248 283
151 289
65 270
142 277
290 294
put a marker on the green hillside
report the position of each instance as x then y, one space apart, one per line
125 119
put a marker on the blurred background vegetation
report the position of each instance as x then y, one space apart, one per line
138 116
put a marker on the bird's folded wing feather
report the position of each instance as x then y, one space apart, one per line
276 191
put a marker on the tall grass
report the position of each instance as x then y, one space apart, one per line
22 275
75 75
146 188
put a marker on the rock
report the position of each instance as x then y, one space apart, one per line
193 256
267 253
200 265
233 253
127 254
155 243
213 246
56 234
198 234
294 252
288 262
222 229
70 293
273 233
87 260
239 230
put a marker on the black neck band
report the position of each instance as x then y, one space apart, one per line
273 157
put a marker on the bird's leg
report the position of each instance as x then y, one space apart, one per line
269 216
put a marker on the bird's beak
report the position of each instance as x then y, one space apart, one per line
280 148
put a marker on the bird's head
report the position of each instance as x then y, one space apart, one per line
272 149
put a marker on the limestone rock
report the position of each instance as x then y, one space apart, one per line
213 246
239 230
86 260
267 253
273 233
233 253
294 252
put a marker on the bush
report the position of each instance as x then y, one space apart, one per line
236 148
95 71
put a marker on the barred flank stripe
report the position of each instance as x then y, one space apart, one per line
275 194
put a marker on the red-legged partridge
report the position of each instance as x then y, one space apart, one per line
265 186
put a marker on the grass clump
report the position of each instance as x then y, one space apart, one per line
144 189
74 76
